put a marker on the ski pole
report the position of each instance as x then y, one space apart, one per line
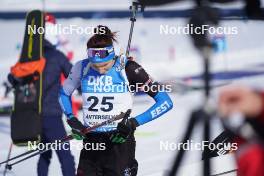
8 156
69 137
18 156
134 8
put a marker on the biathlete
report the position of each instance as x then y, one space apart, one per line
107 82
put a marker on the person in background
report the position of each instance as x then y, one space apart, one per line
52 124
62 44
250 153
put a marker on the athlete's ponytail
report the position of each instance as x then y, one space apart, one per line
103 37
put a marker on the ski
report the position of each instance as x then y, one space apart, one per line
26 113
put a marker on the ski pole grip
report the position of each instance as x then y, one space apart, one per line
126 115
135 7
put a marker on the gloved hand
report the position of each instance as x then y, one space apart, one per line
13 80
124 130
77 128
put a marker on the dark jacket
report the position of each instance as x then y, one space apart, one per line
56 63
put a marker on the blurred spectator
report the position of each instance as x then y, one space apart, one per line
250 153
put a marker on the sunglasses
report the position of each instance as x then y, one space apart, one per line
100 52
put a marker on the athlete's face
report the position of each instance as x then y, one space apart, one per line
102 68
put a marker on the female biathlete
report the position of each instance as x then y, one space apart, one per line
107 82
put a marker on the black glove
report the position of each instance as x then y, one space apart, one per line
12 80
124 130
77 128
